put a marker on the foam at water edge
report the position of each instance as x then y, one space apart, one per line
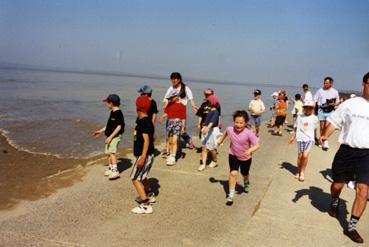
12 143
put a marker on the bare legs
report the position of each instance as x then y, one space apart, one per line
302 161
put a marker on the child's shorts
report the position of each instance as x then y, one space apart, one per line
112 147
304 146
255 120
235 165
279 120
141 173
210 140
174 127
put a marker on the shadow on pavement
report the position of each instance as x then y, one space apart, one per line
327 174
155 186
321 201
124 164
289 167
224 183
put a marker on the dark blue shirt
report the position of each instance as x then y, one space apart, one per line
212 117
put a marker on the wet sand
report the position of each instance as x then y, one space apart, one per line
27 176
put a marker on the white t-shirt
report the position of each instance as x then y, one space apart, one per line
322 95
352 117
305 127
184 101
308 96
256 106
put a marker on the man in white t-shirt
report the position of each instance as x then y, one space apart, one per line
308 96
327 98
351 162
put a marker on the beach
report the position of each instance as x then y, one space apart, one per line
190 208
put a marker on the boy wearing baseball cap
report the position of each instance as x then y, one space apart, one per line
143 150
305 126
113 132
256 109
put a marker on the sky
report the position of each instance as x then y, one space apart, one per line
282 42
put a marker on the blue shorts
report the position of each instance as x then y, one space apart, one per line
304 146
323 115
255 120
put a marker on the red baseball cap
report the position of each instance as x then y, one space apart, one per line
143 103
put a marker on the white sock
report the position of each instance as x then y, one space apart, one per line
231 193
114 167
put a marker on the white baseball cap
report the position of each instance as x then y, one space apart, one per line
309 103
275 94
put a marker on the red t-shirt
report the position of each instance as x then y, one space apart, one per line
176 110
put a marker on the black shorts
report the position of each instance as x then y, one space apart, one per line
279 120
235 164
351 164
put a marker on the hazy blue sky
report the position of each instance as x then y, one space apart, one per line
238 40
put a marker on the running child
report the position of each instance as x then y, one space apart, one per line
210 132
243 142
176 114
113 132
281 112
305 127
256 109
143 150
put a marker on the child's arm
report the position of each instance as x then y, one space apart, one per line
99 132
183 126
154 115
206 129
116 131
162 117
224 136
141 161
252 149
293 137
199 122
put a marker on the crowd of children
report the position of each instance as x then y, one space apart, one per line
243 135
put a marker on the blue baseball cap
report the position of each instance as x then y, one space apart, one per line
145 90
113 98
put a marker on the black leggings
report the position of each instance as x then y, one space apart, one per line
235 164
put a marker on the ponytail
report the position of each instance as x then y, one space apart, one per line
177 75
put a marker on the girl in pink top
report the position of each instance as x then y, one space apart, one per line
243 142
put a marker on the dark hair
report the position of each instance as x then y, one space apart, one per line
305 85
178 76
241 113
297 96
330 79
366 78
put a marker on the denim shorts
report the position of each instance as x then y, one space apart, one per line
323 115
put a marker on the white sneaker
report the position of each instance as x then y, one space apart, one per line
325 145
107 172
201 168
171 160
114 174
213 164
142 209
151 196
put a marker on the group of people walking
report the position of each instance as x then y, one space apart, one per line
309 113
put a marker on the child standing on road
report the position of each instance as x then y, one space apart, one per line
143 150
297 107
113 132
210 131
243 142
176 114
281 112
256 109
305 127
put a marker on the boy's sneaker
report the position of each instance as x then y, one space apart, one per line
151 196
107 172
229 200
142 209
325 146
213 164
114 174
171 160
201 167
247 187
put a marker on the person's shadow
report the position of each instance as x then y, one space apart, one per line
124 164
327 174
321 201
155 186
289 167
224 183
